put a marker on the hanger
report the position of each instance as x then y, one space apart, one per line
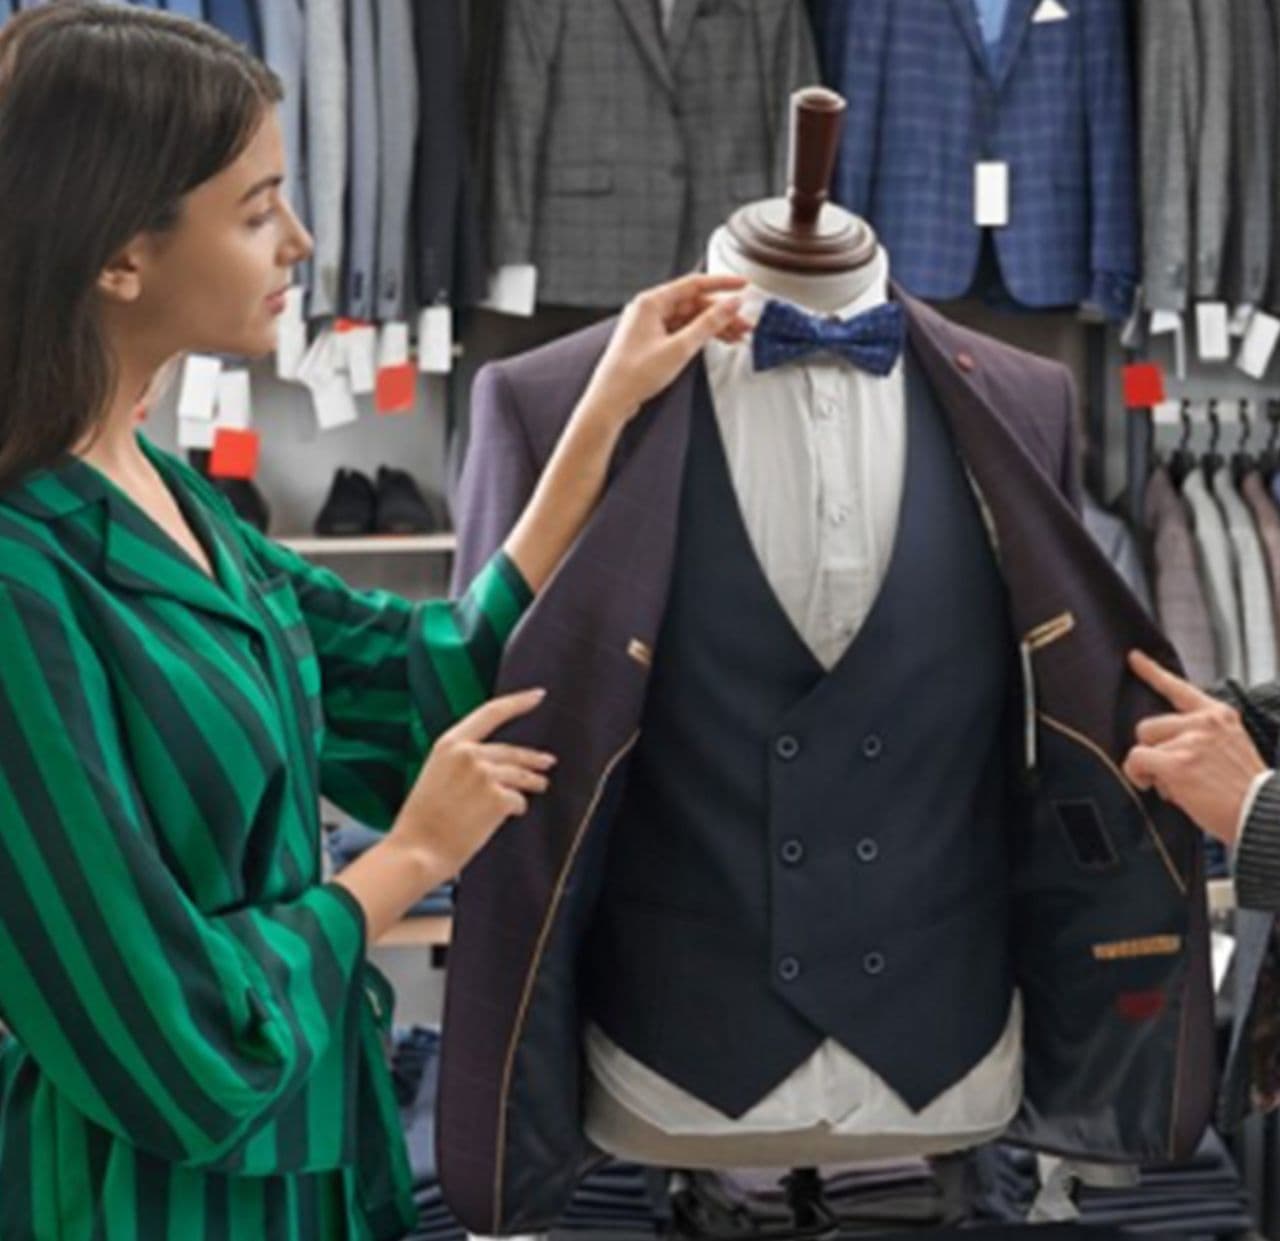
1242 460
1212 460
1181 461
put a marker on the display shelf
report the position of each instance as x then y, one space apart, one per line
372 544
433 932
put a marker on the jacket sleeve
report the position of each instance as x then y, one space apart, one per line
851 39
183 1032
498 476
530 32
1112 156
1072 466
395 674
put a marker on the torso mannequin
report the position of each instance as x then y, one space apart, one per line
816 453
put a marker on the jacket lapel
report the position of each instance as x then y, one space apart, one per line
967 19
131 551
1049 561
682 22
1016 28
646 28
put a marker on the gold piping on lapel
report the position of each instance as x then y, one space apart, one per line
1050 632
640 652
527 994
1132 949
1105 758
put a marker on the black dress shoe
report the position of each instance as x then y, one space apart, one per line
349 508
247 500
242 494
401 508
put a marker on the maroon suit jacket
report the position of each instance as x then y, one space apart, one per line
1111 959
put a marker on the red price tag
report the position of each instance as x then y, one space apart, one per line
1143 385
235 454
397 387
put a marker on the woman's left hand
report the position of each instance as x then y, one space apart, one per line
660 332
1201 758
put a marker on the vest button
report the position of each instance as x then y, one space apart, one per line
873 963
788 747
792 852
789 969
868 850
872 747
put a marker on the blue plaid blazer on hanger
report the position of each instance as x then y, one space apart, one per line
927 101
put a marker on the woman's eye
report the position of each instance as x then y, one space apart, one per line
258 221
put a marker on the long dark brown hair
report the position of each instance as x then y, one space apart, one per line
109 115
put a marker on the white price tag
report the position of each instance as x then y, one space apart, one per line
1213 338
435 340
196 433
1259 345
513 290
198 396
393 345
335 406
291 336
362 359
318 365
233 400
991 194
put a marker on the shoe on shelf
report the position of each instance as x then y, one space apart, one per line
401 508
247 500
349 508
242 494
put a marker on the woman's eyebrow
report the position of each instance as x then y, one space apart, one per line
266 183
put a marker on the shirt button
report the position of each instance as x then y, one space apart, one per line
789 969
868 850
787 748
792 852
873 963
839 516
872 747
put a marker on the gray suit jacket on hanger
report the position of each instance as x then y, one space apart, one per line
1170 118
1211 173
619 150
326 71
283 48
398 108
1253 78
364 139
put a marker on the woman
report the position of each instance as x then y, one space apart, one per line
195 1038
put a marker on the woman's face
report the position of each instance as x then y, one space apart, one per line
215 282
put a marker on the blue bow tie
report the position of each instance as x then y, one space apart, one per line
872 341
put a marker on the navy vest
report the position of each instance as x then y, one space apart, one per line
800 855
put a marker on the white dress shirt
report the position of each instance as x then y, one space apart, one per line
817 454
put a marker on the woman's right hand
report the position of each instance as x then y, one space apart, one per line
466 790
469 787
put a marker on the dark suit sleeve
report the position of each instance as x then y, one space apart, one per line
851 49
530 32
1258 853
1070 480
1112 157
498 478
1258 850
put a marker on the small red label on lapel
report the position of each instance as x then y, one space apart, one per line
1143 385
1136 1006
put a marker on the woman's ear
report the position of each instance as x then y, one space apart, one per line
121 279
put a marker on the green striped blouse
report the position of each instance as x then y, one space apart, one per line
196 1044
